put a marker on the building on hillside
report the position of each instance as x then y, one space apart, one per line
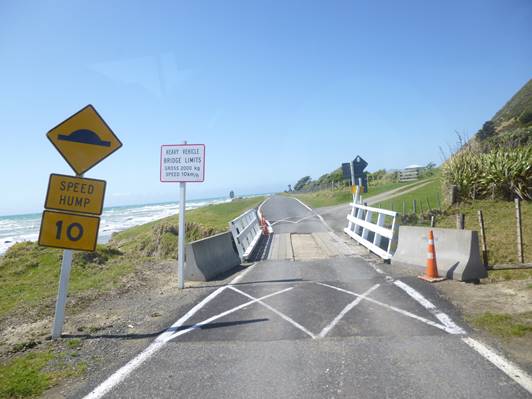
410 173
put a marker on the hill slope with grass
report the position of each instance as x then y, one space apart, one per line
511 126
29 273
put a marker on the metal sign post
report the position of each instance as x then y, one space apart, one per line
182 163
181 243
351 167
74 204
66 266
59 319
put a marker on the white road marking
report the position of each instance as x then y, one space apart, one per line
403 312
314 213
507 367
124 371
259 209
375 268
322 220
280 314
227 312
290 221
444 318
119 375
333 323
241 275
302 203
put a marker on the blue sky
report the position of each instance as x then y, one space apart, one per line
275 89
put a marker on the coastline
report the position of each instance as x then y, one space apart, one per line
25 227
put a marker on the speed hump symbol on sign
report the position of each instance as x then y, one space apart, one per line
84 139
69 231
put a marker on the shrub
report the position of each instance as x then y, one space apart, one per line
526 118
502 173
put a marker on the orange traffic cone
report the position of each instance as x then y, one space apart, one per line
264 226
431 273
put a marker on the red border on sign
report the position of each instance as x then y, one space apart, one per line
180 181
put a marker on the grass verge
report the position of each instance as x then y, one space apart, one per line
29 273
426 197
499 221
323 198
29 375
504 325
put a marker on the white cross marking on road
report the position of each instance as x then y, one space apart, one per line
227 312
282 315
403 312
350 306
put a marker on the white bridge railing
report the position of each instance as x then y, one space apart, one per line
246 231
379 236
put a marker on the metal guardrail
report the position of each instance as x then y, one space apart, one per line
246 231
377 237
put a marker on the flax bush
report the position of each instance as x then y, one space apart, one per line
500 173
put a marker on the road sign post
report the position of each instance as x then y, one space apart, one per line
183 163
60 303
352 178
181 244
73 204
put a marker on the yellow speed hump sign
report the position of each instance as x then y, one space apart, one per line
75 194
69 231
84 139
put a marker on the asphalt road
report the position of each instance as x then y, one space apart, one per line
329 327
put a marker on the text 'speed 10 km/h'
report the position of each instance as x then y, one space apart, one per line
182 163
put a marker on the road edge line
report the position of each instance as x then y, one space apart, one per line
506 366
453 328
123 372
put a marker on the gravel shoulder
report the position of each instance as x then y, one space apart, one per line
110 330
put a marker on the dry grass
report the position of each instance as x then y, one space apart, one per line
499 220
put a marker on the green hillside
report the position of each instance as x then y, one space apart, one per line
512 124
520 103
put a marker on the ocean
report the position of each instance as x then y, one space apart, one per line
18 228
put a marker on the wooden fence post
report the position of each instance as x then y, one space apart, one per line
453 195
483 238
460 221
520 256
414 206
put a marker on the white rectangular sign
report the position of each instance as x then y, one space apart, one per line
182 163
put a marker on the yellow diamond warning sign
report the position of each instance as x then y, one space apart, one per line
84 139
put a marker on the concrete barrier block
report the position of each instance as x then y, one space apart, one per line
210 257
457 251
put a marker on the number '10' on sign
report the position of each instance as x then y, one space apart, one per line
69 231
